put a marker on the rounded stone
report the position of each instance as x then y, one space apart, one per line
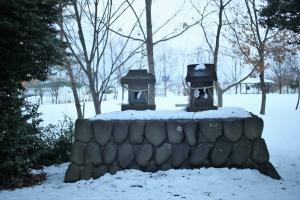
155 132
120 131
190 129
253 127
135 166
83 130
136 132
73 173
241 152
163 153
152 167
260 152
186 165
100 171
180 154
87 171
144 155
220 153
166 166
200 154
114 168
175 132
251 164
211 130
93 153
269 170
233 129
109 153
77 153
102 130
125 156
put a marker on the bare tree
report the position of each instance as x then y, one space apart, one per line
89 39
149 45
147 37
280 70
252 41
163 71
233 75
278 50
55 82
293 61
69 67
74 89
214 45
39 90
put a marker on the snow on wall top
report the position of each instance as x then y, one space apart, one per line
225 112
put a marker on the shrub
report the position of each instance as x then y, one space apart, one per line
19 139
57 142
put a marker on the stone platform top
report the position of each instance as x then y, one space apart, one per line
221 113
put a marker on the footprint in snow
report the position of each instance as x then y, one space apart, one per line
140 186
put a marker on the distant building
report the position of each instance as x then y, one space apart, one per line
252 86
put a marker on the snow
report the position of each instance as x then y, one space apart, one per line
198 67
227 112
281 132
256 80
173 184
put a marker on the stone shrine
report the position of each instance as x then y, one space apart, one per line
137 82
201 88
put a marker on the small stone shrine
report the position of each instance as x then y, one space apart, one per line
137 83
201 89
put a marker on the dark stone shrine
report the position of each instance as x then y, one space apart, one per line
201 87
138 82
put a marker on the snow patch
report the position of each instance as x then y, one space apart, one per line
198 67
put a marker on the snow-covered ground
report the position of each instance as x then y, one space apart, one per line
281 133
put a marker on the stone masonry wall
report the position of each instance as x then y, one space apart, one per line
150 145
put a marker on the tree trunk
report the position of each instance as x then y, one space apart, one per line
95 95
280 84
95 98
220 98
263 92
219 93
74 90
70 74
149 45
165 76
165 88
56 97
41 98
216 54
298 92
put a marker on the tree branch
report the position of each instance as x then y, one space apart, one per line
138 20
176 35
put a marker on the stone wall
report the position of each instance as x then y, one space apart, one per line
149 145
